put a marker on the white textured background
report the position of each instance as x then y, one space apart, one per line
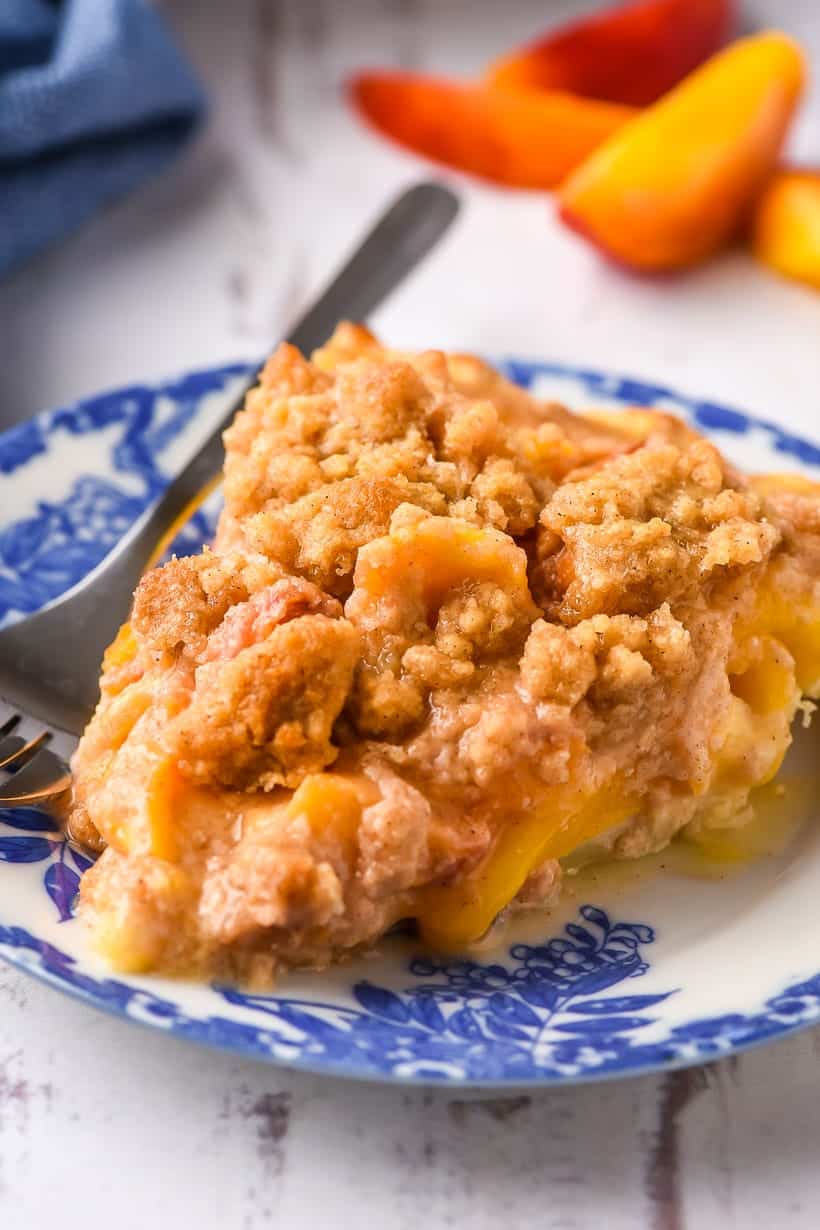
105 1126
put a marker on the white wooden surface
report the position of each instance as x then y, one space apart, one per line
102 1125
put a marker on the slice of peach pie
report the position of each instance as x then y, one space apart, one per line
447 636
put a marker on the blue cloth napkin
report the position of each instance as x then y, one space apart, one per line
94 97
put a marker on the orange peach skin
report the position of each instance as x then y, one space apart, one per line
677 182
785 229
631 54
521 139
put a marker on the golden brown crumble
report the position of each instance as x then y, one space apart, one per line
435 608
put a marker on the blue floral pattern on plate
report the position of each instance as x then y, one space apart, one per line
544 1012
544 1016
36 840
44 554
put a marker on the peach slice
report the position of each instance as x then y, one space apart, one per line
521 139
785 231
409 572
452 916
677 182
632 53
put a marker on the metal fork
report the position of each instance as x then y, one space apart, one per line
49 662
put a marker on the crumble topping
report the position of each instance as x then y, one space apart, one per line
435 608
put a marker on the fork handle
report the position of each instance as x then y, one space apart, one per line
49 663
404 233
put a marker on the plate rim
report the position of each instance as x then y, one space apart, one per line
337 1071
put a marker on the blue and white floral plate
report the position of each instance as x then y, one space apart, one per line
642 970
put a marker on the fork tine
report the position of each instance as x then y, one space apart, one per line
35 759
16 750
44 778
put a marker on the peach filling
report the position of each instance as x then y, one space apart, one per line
432 556
451 916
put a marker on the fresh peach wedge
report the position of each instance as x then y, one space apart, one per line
525 139
631 54
785 231
677 182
